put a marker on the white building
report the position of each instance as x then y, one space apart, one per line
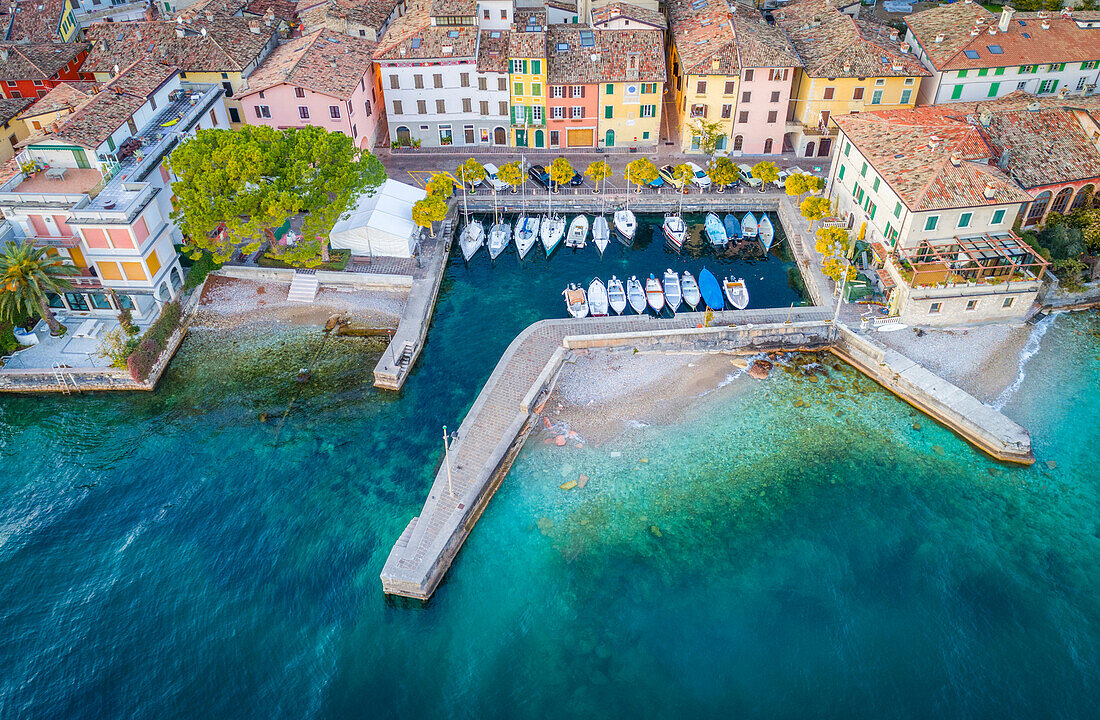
975 55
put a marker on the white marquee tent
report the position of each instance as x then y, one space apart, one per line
379 224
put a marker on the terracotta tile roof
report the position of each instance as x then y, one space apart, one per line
36 61
616 56
529 18
832 44
523 44
61 96
211 9
454 8
371 13
913 151
492 51
966 27
424 41
324 61
10 107
702 31
100 115
628 11
228 46
281 9
34 20
760 45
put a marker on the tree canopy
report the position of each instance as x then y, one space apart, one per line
815 208
708 132
641 171
765 171
561 171
441 184
831 240
470 172
431 209
683 175
800 183
236 186
27 274
511 174
723 172
597 172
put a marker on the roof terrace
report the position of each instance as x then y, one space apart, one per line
986 258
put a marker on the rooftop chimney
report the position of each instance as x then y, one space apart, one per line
1033 106
975 32
254 26
939 38
203 31
179 31
4 54
990 191
992 30
117 70
985 117
1006 18
894 34
1046 24
847 66
956 159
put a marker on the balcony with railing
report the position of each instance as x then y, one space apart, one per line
55 241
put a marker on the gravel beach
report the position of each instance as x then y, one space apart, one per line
228 303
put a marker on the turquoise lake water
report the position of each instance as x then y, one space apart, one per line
213 549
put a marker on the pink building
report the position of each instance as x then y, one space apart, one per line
768 62
323 79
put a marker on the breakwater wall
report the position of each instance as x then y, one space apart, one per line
643 203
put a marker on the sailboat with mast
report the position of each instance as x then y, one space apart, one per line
473 232
498 234
527 228
553 226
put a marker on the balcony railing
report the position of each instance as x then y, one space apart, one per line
55 241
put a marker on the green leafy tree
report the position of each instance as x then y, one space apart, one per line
441 184
831 240
597 172
430 210
683 174
766 172
561 171
814 209
116 347
511 174
236 186
1063 241
471 172
796 184
27 274
708 132
836 268
641 171
723 172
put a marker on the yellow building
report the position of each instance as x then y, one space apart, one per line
222 51
849 66
40 21
631 76
13 129
527 84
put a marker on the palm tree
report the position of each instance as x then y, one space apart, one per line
27 274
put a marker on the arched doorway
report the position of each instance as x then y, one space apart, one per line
500 136
1083 197
404 137
810 149
163 293
540 139
768 146
609 139
738 142
1038 207
177 278
1061 201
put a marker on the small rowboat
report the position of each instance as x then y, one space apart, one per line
736 292
748 225
673 296
635 294
766 232
616 296
733 228
575 301
653 293
578 232
716 232
601 233
597 298
711 291
690 290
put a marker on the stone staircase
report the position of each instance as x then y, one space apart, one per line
303 288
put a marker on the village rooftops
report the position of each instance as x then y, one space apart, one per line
324 61
611 56
454 8
32 20
832 44
932 158
413 37
10 107
225 45
760 45
371 13
966 35
529 20
627 11
492 51
63 96
711 40
37 61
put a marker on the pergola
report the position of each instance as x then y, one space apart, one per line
1002 256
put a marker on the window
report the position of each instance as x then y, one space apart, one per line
863 170
993 88
738 142
482 83
962 73
397 107
263 111
228 87
502 84
418 82
880 82
971 305
536 67
773 116
503 108
964 219
554 138
334 112
931 222
956 92
999 71
467 105
437 80
1022 85
829 93
440 106
483 107
857 94
775 96
746 96
748 75
998 217
700 87
303 112
841 173
536 89
1048 86
395 83
727 111
464 80
576 112
609 89
517 88
905 95
1008 302
299 92
557 113
982 72
557 91
973 55
649 111
422 107
536 113
503 14
698 111
1081 84
355 131
875 184
847 148
897 210
608 112
743 116
576 91
517 67
934 308
731 87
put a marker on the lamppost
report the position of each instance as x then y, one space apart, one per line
447 458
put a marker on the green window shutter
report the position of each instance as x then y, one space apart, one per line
512 113
1061 67
957 92
897 210
1054 85
536 67
999 71
841 173
863 170
875 185
993 89
964 219
610 89
931 221
962 73
1084 66
645 135
608 112
111 143
982 72
888 230
998 217
524 67
1034 69
847 147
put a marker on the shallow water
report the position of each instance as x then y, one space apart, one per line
212 549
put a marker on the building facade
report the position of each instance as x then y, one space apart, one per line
527 66
30 70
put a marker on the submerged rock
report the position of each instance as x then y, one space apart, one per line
569 485
739 361
760 369
655 530
582 481
1051 464
916 426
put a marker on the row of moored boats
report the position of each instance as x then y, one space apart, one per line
729 229
672 290
550 228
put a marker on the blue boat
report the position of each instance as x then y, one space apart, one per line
748 225
710 290
733 228
715 232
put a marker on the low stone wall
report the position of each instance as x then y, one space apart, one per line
749 337
364 281
645 202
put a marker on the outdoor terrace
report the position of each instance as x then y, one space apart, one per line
994 259
75 181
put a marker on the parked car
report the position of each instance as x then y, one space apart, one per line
668 172
746 176
491 171
540 177
781 181
577 180
657 182
699 177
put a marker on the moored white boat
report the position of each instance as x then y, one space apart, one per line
673 294
601 233
766 232
736 292
578 232
690 290
526 233
675 230
653 293
626 224
597 298
498 239
715 230
471 239
553 229
616 296
635 294
575 301
748 225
